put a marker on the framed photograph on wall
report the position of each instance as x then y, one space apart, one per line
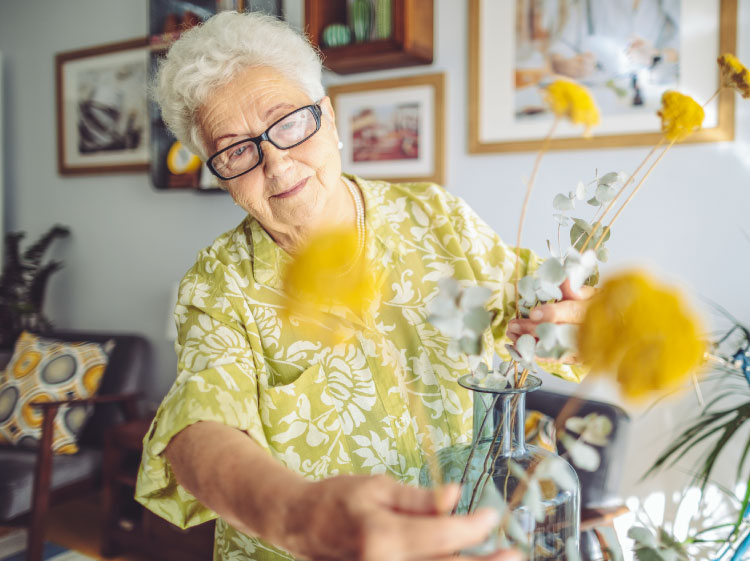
392 129
626 53
102 110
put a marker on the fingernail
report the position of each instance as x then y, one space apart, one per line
535 315
514 328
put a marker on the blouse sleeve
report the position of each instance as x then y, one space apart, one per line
493 264
216 382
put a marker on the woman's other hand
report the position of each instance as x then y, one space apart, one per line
374 518
570 309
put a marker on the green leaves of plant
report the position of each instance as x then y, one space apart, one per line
649 547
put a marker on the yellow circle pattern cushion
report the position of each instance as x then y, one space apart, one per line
45 370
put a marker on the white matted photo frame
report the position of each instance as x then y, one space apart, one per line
392 129
626 53
102 110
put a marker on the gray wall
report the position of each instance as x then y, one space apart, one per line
131 244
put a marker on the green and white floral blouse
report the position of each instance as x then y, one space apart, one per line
369 405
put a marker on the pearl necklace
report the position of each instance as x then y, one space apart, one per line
360 219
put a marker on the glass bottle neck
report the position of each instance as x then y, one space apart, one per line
505 424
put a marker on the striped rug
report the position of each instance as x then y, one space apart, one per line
13 548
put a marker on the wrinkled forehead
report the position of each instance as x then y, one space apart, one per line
247 104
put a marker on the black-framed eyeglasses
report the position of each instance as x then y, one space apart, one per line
244 156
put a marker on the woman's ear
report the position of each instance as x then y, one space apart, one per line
325 105
327 108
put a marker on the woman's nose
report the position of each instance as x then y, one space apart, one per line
275 160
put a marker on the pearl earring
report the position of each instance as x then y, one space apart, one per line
340 145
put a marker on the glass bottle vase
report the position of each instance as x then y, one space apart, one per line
495 469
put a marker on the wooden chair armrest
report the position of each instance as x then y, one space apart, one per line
126 400
593 517
92 400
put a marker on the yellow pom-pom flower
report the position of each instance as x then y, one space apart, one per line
641 331
328 273
680 115
572 101
734 74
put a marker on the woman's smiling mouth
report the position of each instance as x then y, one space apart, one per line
293 191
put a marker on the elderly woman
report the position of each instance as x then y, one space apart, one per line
303 449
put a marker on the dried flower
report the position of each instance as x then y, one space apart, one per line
642 331
734 74
573 101
328 272
680 115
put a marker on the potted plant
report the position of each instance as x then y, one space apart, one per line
23 282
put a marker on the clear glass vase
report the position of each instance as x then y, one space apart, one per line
489 471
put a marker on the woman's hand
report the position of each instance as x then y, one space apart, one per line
374 518
570 309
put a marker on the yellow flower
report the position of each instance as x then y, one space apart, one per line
641 331
734 74
573 101
680 115
328 273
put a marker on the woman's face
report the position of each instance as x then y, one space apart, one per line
290 188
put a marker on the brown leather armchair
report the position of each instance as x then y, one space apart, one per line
32 480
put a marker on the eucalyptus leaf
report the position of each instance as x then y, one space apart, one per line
553 467
642 537
449 326
605 193
490 497
449 287
532 499
477 320
475 297
593 202
647 554
516 531
527 290
551 272
602 254
526 346
582 455
561 219
562 202
608 178
581 191
470 345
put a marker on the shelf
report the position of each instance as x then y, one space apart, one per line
410 44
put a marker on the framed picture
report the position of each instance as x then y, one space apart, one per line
626 53
392 129
102 111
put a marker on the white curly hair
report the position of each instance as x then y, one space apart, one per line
211 54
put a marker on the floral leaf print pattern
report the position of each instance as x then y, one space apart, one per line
373 404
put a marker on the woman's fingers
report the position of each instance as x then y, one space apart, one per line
417 500
500 555
566 311
426 537
584 293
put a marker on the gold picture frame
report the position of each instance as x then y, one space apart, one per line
496 118
392 129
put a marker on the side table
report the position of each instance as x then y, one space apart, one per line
126 524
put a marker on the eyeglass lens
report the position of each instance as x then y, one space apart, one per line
286 133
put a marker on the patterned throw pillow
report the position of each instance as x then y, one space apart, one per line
43 370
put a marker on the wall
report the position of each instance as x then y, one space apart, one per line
130 244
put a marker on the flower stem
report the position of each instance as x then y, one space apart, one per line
524 207
632 194
475 445
710 99
617 196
